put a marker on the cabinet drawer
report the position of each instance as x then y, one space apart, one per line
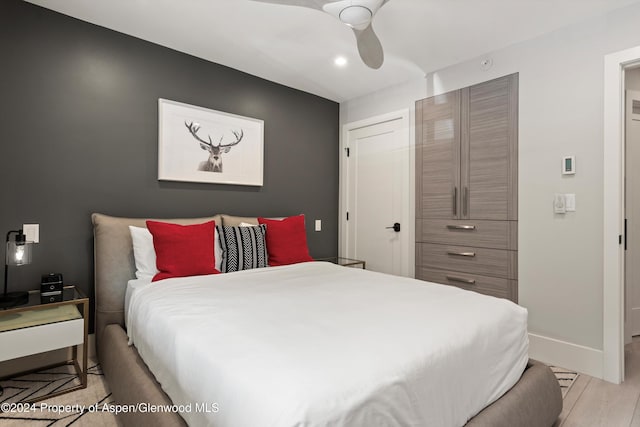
38 339
487 262
482 234
494 286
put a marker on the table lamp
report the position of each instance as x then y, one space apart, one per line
18 253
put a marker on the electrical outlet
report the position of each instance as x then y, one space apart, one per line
32 232
318 225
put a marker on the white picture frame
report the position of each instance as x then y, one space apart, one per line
197 144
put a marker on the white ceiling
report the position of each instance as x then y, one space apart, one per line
296 46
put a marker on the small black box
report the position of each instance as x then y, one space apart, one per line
49 297
51 282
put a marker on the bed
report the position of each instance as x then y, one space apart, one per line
344 392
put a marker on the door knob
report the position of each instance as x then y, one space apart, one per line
396 227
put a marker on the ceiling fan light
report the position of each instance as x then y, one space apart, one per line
356 16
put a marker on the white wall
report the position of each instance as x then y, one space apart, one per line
393 98
561 113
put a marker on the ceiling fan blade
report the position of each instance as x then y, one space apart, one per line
369 47
313 4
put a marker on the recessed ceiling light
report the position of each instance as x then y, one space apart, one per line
340 61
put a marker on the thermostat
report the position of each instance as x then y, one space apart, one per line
569 165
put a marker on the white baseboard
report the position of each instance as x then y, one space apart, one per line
578 358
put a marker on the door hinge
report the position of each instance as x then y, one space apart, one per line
348 151
347 216
619 239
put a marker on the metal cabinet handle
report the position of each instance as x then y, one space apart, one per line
467 254
465 201
461 227
455 201
461 280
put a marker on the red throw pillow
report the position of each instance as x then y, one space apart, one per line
183 250
286 240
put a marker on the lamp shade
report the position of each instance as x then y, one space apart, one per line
18 252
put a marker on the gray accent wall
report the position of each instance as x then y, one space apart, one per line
79 134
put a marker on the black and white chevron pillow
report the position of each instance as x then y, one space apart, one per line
243 248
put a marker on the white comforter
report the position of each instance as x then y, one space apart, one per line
316 344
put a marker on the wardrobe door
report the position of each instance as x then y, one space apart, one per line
489 150
438 157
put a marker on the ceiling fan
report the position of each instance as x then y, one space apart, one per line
356 14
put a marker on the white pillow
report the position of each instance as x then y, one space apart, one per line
144 252
246 224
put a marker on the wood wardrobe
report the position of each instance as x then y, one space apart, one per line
467 188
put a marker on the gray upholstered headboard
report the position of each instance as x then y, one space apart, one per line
114 263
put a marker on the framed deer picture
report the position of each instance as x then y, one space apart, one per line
197 144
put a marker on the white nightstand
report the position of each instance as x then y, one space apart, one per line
37 327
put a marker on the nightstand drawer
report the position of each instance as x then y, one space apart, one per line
38 339
483 261
494 286
482 234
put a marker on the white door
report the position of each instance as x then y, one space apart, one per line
632 215
378 196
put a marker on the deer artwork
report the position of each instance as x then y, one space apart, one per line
214 164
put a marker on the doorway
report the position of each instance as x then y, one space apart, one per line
632 203
614 211
376 212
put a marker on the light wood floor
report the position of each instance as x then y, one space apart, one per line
593 402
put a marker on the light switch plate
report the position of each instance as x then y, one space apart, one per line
570 202
32 232
318 225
